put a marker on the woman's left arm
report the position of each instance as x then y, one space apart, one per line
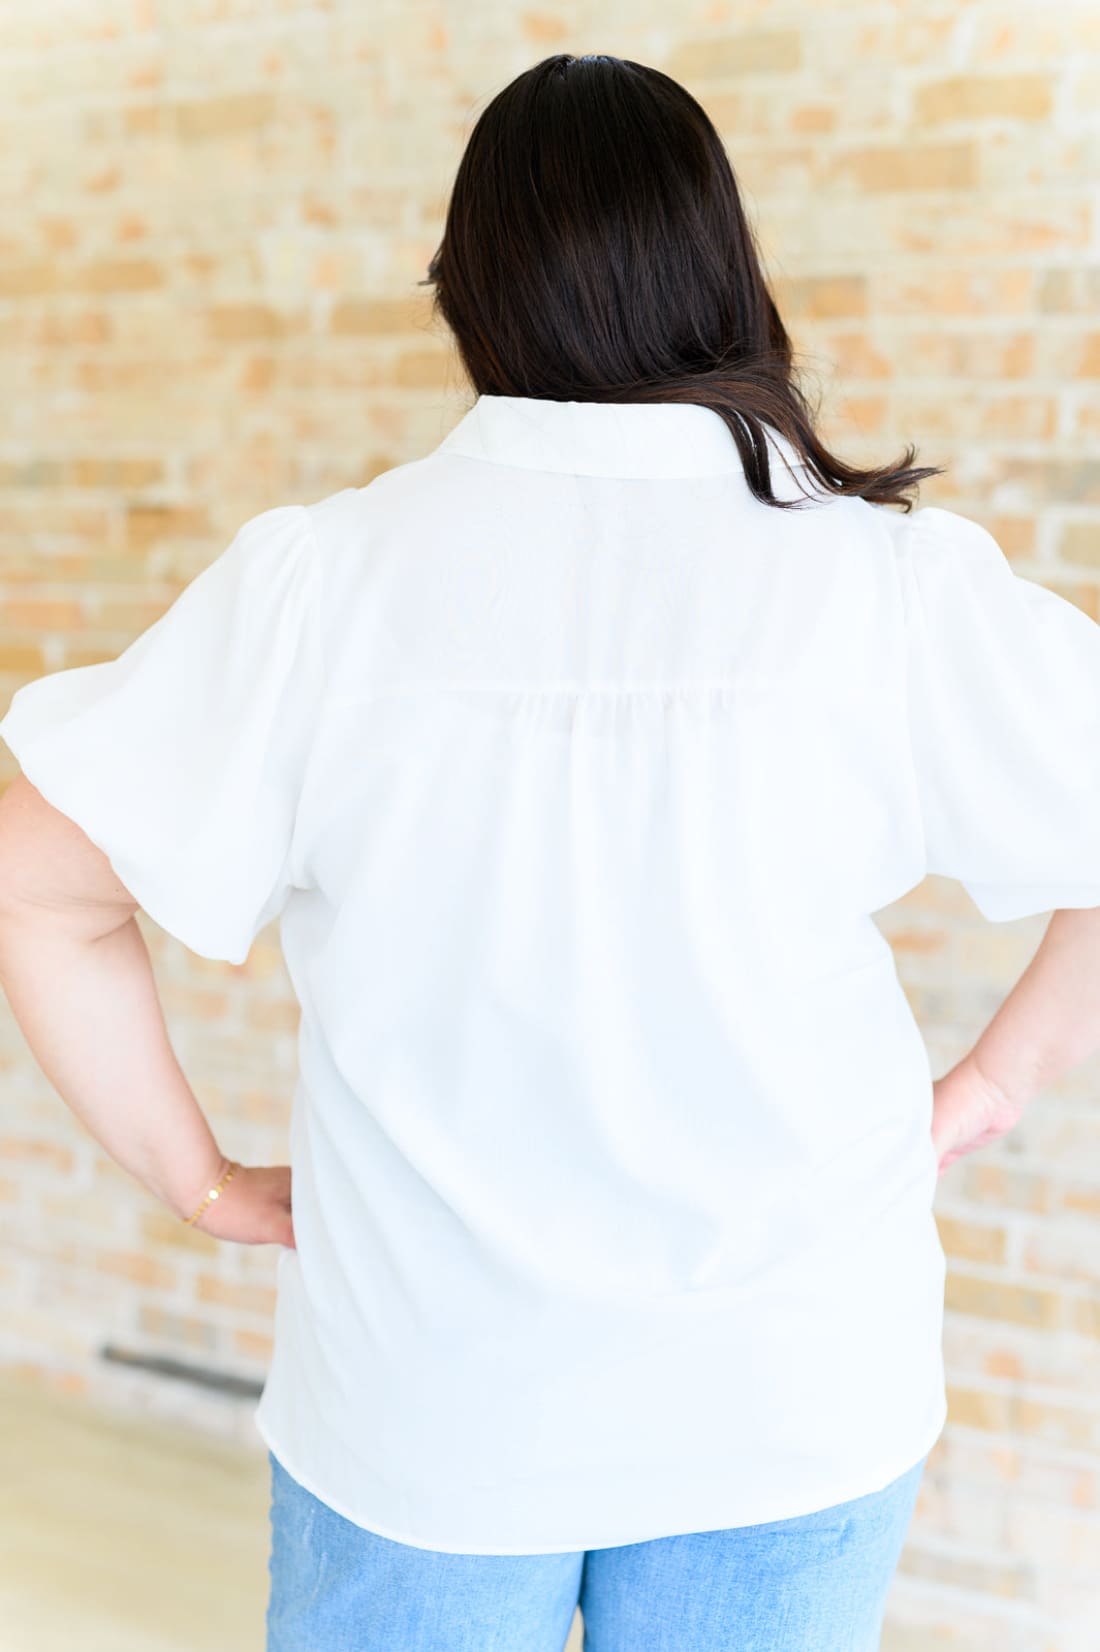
77 973
166 779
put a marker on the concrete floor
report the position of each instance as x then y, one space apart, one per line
122 1534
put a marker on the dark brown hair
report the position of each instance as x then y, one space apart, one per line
595 248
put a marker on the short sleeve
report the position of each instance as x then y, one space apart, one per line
1003 680
183 758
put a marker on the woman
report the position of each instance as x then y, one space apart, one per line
575 757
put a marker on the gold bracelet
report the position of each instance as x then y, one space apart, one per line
214 1191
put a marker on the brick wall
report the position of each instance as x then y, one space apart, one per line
214 221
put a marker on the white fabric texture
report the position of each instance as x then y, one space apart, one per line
574 775
1005 689
182 758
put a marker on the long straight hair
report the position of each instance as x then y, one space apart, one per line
595 248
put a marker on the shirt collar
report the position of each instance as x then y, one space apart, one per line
624 439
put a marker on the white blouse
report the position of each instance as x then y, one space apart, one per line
575 775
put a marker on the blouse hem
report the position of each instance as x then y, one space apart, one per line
883 1477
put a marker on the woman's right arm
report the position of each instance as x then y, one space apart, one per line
1048 1024
1003 702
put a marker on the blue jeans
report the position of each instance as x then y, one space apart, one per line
814 1583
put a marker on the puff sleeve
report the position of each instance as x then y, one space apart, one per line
183 758
1003 684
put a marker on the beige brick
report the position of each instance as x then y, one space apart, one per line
1034 34
1052 1537
230 323
379 316
161 1226
143 120
147 525
1000 1299
1062 1425
814 117
196 1002
32 473
545 27
252 1299
905 167
254 1346
48 1155
977 97
1082 1199
219 117
264 962
27 277
74 328
1085 1311
25 658
136 1266
258 373
1070 289
759 51
1084 419
1062 1252
740 113
1014 534
901 34
1005 1579
778 169
859 415
972 289
1088 361
129 615
973 1241
41 613
376 465
102 472
856 356
1055 480
186 1330
277 1016
985 1182
116 275
1013 417
919 942
423 369
822 295
1034 417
